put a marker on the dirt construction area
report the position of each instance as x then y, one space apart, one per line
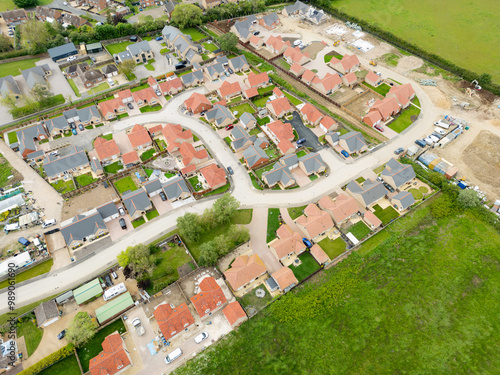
88 200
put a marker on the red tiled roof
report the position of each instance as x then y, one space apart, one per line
106 149
257 79
296 68
250 93
188 169
110 106
152 81
285 145
188 153
318 254
210 298
130 157
124 94
255 39
327 122
284 277
175 135
221 102
139 136
329 81
386 107
278 92
351 77
169 85
155 129
314 220
295 54
372 77
146 95
308 75
112 359
282 131
371 118
371 219
403 93
173 321
288 242
280 106
311 113
276 42
227 89
234 312
347 62
343 206
214 175
195 100
244 269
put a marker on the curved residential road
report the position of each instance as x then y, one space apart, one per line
340 174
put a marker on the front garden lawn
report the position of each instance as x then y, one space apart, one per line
255 183
85 179
32 335
12 137
147 108
333 248
243 216
73 86
101 87
273 223
147 154
261 171
242 108
152 214
63 187
93 347
308 266
138 222
404 119
295 212
113 168
220 190
262 121
385 215
125 184
66 366
359 230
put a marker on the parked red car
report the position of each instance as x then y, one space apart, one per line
229 127
379 128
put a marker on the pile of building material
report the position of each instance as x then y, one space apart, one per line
438 164
336 29
428 82
353 25
363 45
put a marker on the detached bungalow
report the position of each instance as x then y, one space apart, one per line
197 103
403 93
347 64
288 244
315 222
244 270
210 299
368 194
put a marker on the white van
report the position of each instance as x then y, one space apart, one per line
173 355
48 223
111 82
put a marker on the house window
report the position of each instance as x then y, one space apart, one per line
173 333
219 303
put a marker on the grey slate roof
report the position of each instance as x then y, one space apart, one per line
75 157
219 114
253 154
191 54
58 122
222 59
280 172
371 191
298 6
35 75
334 136
46 311
400 173
241 137
62 50
215 68
239 62
246 118
169 6
182 42
82 226
71 115
95 165
26 135
270 19
406 199
139 47
251 18
107 209
35 155
87 113
313 162
110 68
9 86
170 33
123 56
260 141
196 66
189 78
243 28
92 75
152 185
175 187
136 200
289 160
354 141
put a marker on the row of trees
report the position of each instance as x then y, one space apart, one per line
38 99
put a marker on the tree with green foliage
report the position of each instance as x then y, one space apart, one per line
468 198
26 3
138 258
127 67
190 226
81 329
5 44
228 42
34 36
40 94
225 208
186 15
485 79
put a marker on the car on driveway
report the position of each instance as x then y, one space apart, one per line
202 336
121 211
344 153
72 125
123 224
229 127
159 38
163 196
307 242
298 42
379 128
231 71
74 131
227 74
399 151
389 187
61 334
256 32
80 126
130 106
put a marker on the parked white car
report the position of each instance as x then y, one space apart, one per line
298 42
439 131
202 336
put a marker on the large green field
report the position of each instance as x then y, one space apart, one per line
463 32
14 68
424 300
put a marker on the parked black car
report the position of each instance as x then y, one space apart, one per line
123 225
163 196
130 106
61 334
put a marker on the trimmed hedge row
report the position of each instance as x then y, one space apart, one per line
407 46
14 53
49 360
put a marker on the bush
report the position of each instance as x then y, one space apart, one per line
49 360
144 284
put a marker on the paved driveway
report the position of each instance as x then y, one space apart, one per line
161 206
304 132
58 83
115 230
161 64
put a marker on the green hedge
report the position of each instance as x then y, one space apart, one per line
49 360
14 53
467 75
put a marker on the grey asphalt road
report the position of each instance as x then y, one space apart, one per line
58 4
304 132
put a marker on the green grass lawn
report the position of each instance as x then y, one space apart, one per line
32 335
301 153
385 215
66 366
100 87
148 172
152 214
382 89
210 46
228 141
120 116
149 66
125 184
255 183
360 180
359 230
272 153
169 175
195 33
220 190
12 137
262 121
6 170
242 108
108 137
14 68
417 194
161 144
266 90
423 300
295 212
333 248
118 47
261 102
404 119
63 187
138 222
148 154
273 223
194 181
140 87
73 86
37 270
423 189
308 266
293 99
416 101
85 179
313 177
164 51
251 300
148 108
448 37
261 171
94 347
114 167
391 59
243 216
283 64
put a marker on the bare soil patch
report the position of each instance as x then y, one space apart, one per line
87 201
313 49
360 105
